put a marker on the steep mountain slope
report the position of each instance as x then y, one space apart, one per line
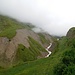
67 64
18 43
61 62
71 33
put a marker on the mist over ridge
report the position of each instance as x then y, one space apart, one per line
54 16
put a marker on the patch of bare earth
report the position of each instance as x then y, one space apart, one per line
8 47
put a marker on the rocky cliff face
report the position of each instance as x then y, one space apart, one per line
8 47
19 42
71 33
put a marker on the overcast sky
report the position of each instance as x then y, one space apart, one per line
54 16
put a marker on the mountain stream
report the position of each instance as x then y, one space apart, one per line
49 52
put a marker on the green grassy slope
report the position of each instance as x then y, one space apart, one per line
43 66
67 64
43 39
8 29
24 54
61 62
9 26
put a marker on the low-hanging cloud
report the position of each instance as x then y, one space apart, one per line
54 16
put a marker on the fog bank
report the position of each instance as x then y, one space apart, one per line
53 16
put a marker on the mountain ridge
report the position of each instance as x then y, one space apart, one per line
16 37
21 50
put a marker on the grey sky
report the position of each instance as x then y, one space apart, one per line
54 16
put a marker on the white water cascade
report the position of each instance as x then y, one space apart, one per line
49 52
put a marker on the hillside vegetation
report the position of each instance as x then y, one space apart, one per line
43 39
43 66
60 62
28 54
19 44
9 26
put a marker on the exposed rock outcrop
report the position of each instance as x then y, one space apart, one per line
8 47
71 33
